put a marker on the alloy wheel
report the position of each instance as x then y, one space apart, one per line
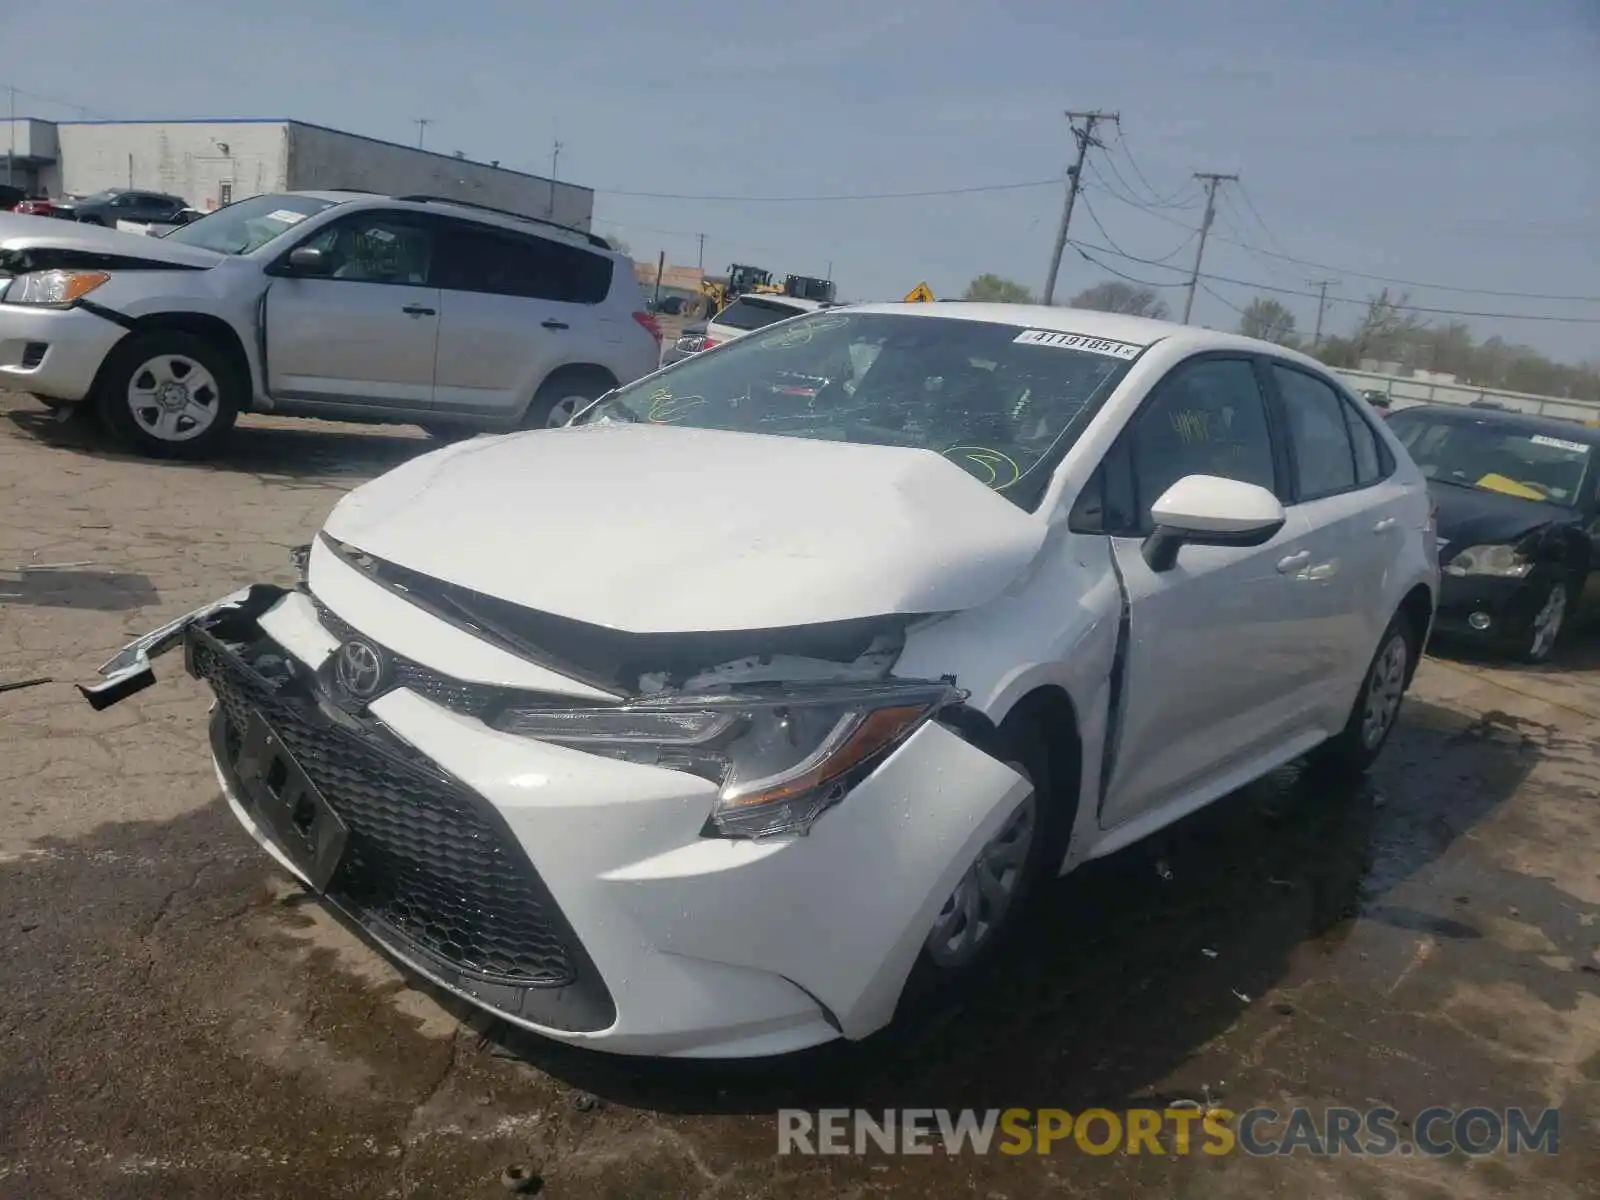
564 410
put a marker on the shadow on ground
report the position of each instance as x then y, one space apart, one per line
77 588
1109 987
306 450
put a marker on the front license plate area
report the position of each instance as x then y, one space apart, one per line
297 816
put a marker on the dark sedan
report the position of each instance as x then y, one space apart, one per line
1517 519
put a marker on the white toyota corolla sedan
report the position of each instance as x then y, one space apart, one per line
776 682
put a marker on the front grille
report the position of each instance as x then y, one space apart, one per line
458 695
423 863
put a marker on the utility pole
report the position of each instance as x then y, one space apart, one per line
11 155
702 238
1212 179
555 163
1322 286
1085 138
422 124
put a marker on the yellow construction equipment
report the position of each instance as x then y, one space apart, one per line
743 279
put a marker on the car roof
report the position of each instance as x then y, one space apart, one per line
1116 327
501 218
1510 419
796 302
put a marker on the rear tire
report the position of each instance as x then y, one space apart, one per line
1377 707
566 393
170 394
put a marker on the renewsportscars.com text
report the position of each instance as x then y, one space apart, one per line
1258 1132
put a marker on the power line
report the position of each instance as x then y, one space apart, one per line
1109 270
59 103
1285 291
1093 216
1244 194
1173 201
1212 292
1148 210
960 191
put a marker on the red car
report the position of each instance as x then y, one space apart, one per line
39 206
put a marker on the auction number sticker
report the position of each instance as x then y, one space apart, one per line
1077 341
1540 439
286 216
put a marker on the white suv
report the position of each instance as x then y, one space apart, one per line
341 305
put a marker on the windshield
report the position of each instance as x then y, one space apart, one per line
249 224
746 313
1497 458
1001 401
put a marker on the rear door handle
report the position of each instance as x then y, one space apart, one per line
552 323
1384 525
417 310
1291 564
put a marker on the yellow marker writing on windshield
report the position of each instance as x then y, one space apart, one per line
991 467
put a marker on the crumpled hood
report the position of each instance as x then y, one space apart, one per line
659 530
22 232
1478 517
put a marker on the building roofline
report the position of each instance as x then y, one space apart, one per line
325 129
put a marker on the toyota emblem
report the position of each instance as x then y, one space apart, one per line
359 669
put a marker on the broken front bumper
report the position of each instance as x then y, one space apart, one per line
572 894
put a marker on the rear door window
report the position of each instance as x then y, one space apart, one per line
502 262
1364 441
1319 439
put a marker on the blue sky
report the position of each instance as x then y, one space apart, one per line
1444 141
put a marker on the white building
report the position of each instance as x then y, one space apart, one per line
212 163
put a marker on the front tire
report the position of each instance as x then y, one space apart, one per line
170 394
1377 708
999 885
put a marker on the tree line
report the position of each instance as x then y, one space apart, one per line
1387 331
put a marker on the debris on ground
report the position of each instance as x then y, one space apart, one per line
524 1181
18 684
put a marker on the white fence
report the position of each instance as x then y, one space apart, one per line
1404 393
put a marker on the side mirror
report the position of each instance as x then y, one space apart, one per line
1207 510
308 260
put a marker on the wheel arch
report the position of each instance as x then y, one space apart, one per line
569 373
1416 607
212 329
1046 712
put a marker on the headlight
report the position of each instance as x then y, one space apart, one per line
779 757
1501 561
55 289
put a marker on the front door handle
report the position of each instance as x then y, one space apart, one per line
417 310
1293 563
1384 525
552 323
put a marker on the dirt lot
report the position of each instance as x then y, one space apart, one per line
176 1021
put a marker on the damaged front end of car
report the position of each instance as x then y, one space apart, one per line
523 846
